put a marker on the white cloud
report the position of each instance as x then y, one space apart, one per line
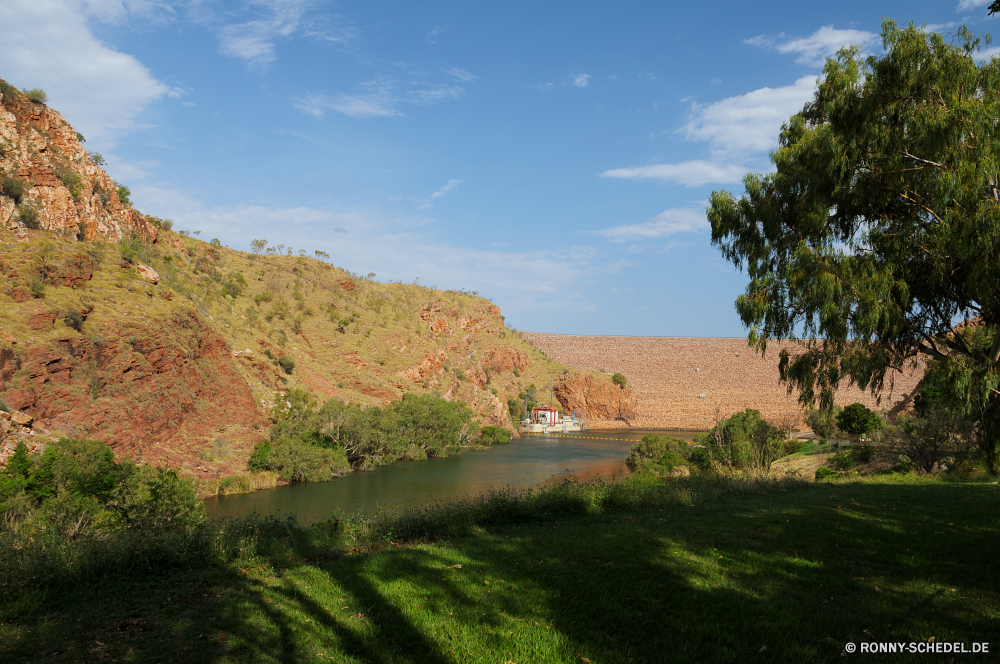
988 53
668 222
582 81
461 74
750 122
445 189
49 45
433 35
821 44
964 5
692 173
381 98
254 40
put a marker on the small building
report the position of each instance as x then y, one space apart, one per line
545 415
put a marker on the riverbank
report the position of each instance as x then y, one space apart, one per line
700 569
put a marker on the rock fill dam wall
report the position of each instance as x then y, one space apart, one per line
679 382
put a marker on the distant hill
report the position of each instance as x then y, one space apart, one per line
170 349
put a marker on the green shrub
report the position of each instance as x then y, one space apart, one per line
858 419
29 216
166 224
862 453
263 296
97 158
3 406
261 457
843 461
8 91
124 194
36 95
656 450
825 473
287 364
12 188
72 181
493 435
297 461
744 440
36 286
74 320
234 284
619 380
792 446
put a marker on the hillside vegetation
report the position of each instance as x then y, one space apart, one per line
176 351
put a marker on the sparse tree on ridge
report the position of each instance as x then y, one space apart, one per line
881 226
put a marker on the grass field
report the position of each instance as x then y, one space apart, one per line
789 576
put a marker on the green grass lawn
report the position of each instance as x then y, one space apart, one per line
791 576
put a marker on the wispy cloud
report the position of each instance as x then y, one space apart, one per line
380 98
461 74
821 44
426 205
433 35
582 81
445 189
965 5
692 173
668 222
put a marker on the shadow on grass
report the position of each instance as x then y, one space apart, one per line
792 576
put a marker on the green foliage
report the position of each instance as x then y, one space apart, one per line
28 215
664 453
36 95
843 461
823 422
72 181
76 486
261 456
124 194
792 445
287 364
619 380
234 284
927 440
74 320
825 473
263 296
879 228
36 286
80 137
8 91
857 419
744 440
12 188
97 158
493 435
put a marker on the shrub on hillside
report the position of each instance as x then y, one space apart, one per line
36 95
124 194
825 473
298 461
858 419
287 364
74 320
12 188
843 461
792 445
824 422
36 286
619 380
30 218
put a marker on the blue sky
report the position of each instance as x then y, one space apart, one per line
555 157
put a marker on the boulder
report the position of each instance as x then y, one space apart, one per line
148 273
22 419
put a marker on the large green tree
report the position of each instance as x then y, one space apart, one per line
877 238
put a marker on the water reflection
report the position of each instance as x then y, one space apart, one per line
523 463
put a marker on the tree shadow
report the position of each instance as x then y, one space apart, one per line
793 576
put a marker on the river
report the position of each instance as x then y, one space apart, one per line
530 461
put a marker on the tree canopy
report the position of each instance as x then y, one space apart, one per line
858 419
877 238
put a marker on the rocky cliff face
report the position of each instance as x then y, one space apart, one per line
595 398
47 174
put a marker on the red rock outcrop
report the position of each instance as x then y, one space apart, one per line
137 388
70 193
593 398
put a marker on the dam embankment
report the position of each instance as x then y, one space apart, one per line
679 382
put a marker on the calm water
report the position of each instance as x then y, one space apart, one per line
523 463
